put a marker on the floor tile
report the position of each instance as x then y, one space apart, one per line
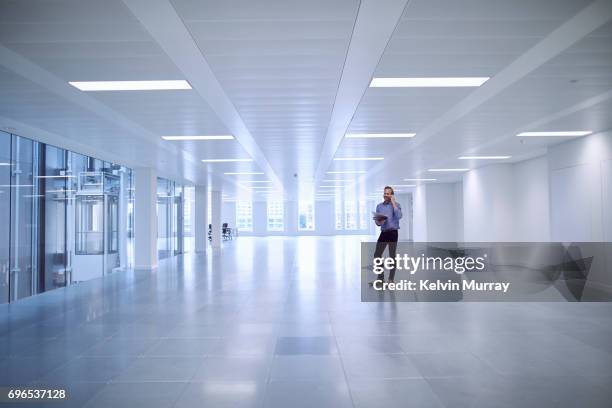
306 345
307 394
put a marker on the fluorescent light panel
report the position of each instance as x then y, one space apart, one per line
556 133
225 160
91 86
256 181
202 137
378 135
420 179
242 173
357 158
484 157
448 170
427 82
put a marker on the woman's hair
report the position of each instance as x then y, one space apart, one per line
389 188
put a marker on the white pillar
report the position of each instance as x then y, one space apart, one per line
145 218
201 218
215 202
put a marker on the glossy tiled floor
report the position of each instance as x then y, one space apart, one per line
277 322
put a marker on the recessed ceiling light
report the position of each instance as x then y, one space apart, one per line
403 185
328 186
357 158
561 133
242 173
378 135
203 137
131 85
450 170
347 172
427 82
225 160
259 187
256 181
484 157
5 164
420 179
336 180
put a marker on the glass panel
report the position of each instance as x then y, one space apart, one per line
338 212
188 221
306 216
244 215
23 223
89 225
5 213
363 214
350 215
275 216
164 218
54 187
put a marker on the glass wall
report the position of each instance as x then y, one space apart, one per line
170 218
275 215
64 217
306 216
244 216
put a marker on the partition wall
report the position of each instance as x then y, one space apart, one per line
64 217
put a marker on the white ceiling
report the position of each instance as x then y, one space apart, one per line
283 76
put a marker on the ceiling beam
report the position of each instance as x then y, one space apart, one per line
374 26
167 28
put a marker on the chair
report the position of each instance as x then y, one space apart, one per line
226 231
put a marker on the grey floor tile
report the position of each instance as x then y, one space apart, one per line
307 394
398 393
369 345
184 347
307 367
237 346
119 346
306 345
138 395
94 369
234 368
223 394
145 369
380 366
449 364
78 393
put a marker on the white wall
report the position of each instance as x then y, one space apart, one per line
580 175
488 200
531 201
435 213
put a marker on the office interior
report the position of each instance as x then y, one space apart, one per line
185 187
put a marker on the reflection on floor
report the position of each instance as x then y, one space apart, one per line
278 322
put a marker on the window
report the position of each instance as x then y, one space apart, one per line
306 216
275 216
244 215
338 213
350 215
363 217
